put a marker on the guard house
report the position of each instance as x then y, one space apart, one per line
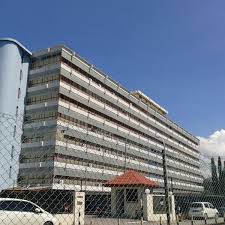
127 192
132 197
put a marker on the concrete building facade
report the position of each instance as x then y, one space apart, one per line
82 128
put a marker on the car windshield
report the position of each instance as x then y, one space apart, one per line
196 205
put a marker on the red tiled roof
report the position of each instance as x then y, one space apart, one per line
130 178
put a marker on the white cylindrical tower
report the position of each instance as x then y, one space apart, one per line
14 65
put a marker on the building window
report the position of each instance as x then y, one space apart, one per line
21 75
19 93
131 195
14 131
12 152
10 171
17 108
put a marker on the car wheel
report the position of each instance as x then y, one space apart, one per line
48 223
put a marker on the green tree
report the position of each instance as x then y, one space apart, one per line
207 184
219 167
220 172
214 176
222 182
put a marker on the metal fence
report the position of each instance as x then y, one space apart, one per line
55 172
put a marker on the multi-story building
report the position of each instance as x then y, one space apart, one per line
82 128
14 63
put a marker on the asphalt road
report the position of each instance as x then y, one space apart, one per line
90 220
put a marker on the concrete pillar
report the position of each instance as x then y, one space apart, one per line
78 208
172 210
147 206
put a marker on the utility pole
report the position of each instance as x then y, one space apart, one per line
171 184
166 187
125 155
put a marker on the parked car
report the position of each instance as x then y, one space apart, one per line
221 211
22 212
202 210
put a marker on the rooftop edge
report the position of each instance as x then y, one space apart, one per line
37 53
17 43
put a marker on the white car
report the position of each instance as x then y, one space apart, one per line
202 210
22 212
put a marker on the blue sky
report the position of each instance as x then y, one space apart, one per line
174 51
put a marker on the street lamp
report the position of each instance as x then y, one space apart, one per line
166 187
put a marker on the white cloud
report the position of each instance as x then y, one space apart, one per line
214 145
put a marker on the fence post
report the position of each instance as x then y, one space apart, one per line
177 219
74 208
118 221
160 220
142 220
192 222
166 188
